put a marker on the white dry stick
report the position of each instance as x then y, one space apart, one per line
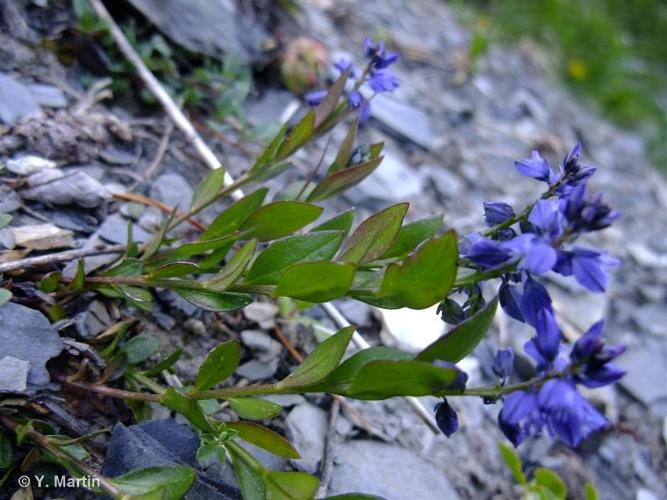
173 110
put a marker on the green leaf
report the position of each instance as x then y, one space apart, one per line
513 462
319 281
460 341
328 105
156 483
250 481
345 149
5 219
207 189
80 276
272 262
187 407
279 219
265 439
232 218
341 222
376 149
140 348
254 409
291 486
339 380
201 246
342 180
412 235
127 267
6 451
374 236
321 361
299 135
5 296
215 301
268 155
425 277
386 379
174 270
233 270
551 481
590 493
218 365
50 282
139 297
165 364
156 241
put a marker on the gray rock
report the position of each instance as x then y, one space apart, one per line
9 200
173 190
286 400
16 100
269 107
651 318
307 427
392 181
264 347
14 375
61 188
27 335
93 321
211 27
114 230
387 471
161 443
48 95
94 261
406 120
28 164
646 373
262 313
445 182
258 370
117 156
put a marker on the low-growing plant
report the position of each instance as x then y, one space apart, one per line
277 249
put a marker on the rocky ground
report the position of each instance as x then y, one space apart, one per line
451 136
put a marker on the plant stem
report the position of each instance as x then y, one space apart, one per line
115 393
53 448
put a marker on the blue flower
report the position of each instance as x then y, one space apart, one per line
503 363
510 298
569 415
497 212
591 358
364 112
380 59
354 99
316 97
536 167
586 213
446 418
587 266
343 65
573 170
557 406
486 253
383 81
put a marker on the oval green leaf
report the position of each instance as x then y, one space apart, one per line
387 379
254 408
215 301
374 236
319 281
460 341
265 439
425 277
218 365
272 262
279 219
164 483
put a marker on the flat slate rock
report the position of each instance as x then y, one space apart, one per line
16 100
26 334
162 443
388 471
211 27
